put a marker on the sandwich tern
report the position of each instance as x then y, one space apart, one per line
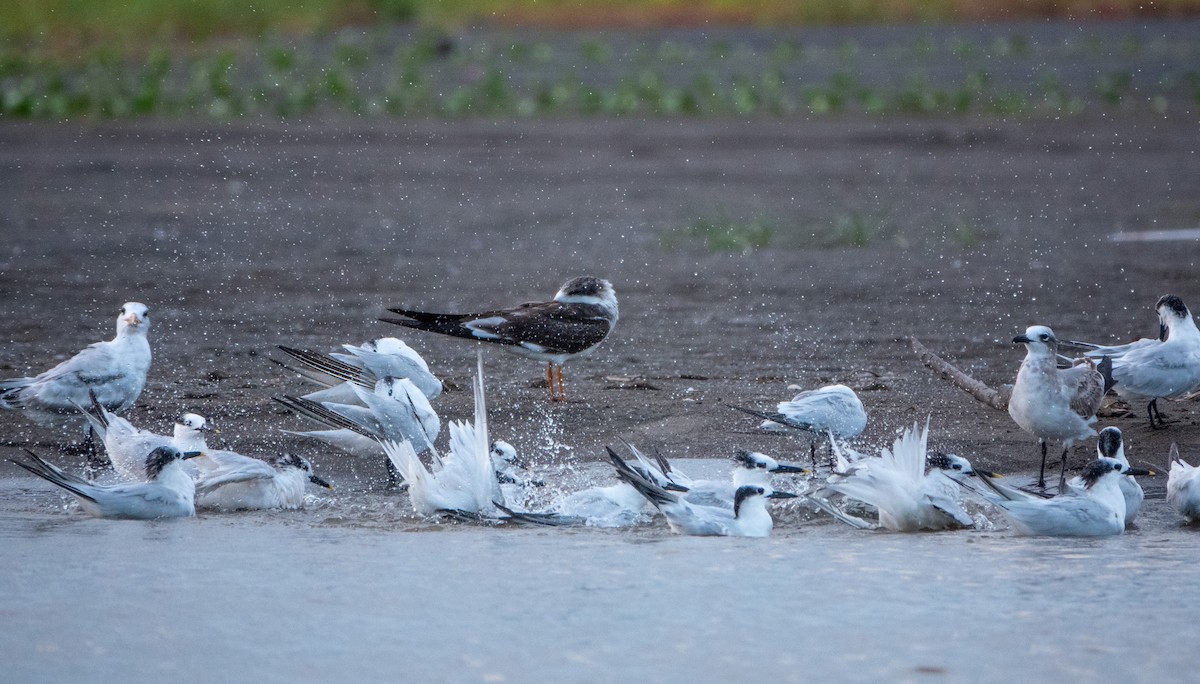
1151 369
1111 445
235 482
396 410
582 313
896 483
168 491
462 482
1052 403
1183 487
1097 509
365 364
127 446
833 411
747 518
113 371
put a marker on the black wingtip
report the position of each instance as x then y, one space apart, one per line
1106 367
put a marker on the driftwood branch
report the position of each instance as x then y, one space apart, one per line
960 379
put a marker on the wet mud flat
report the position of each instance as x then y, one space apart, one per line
958 231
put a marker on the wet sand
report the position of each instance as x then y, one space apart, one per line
243 236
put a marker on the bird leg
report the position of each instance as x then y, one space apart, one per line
562 385
1042 472
1062 475
550 379
1152 413
812 453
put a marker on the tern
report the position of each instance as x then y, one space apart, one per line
127 446
235 482
833 410
1110 445
168 491
464 481
396 411
582 313
1151 369
896 483
1183 487
749 468
366 364
113 371
1052 403
1098 509
748 517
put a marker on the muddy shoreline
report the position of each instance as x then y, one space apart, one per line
244 236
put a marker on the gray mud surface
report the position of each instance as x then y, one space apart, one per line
241 237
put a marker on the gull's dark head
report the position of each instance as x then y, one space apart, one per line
1109 444
162 457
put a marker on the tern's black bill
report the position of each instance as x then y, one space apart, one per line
191 454
782 495
1021 339
783 468
319 482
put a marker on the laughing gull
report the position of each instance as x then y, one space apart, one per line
1052 403
581 315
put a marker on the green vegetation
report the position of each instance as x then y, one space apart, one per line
73 24
722 233
406 70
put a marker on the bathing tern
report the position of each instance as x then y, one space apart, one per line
747 518
127 446
464 481
394 410
365 364
1098 509
235 482
1151 369
834 411
1111 445
1183 487
168 491
114 371
1052 403
582 313
896 483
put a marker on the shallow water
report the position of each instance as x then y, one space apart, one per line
357 586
